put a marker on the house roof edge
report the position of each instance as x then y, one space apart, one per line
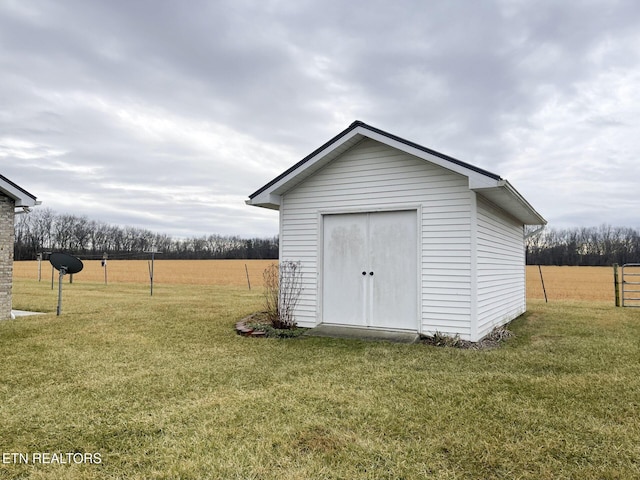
29 199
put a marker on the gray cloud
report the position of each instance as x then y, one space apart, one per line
166 115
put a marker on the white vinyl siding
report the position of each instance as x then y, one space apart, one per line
500 268
372 176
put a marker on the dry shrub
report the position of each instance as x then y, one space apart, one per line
271 292
283 285
494 339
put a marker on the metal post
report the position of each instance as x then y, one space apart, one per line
544 290
151 271
247 272
59 309
153 252
51 277
39 257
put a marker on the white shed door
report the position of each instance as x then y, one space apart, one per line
369 270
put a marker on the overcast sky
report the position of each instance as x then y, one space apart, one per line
166 115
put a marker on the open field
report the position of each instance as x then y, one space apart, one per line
571 283
562 283
183 272
162 388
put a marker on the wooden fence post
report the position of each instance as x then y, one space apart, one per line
616 284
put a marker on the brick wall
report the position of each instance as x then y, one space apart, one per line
7 234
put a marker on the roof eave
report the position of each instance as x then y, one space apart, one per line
505 196
269 201
21 197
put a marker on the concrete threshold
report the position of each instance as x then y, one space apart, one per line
23 313
363 333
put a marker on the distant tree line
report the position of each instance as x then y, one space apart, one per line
597 246
44 230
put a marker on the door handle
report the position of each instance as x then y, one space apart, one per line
364 273
371 273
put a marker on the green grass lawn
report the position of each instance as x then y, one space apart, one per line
162 388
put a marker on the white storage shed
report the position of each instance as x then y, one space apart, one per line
395 236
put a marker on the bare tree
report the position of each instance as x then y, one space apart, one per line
63 231
81 233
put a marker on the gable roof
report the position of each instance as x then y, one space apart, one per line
21 197
490 185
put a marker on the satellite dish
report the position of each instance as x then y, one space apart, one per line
65 263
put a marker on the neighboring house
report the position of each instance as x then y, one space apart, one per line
395 236
12 196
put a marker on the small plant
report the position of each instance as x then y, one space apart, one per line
440 339
283 285
499 334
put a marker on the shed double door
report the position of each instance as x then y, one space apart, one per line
369 270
